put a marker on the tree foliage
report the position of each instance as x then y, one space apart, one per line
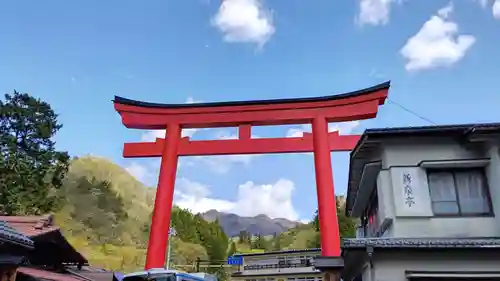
97 207
277 242
194 229
232 249
244 237
347 226
260 243
32 169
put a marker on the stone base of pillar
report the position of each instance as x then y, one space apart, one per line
330 267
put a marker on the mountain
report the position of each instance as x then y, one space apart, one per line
232 224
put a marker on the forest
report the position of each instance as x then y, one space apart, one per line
102 209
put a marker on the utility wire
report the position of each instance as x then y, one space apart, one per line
411 112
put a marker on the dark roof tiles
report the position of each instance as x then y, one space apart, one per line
421 243
31 226
9 234
382 86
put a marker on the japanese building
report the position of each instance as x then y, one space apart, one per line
288 265
14 247
428 204
47 238
49 257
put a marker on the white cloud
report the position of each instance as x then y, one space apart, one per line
483 3
246 21
437 43
344 128
273 200
140 172
221 164
446 11
151 135
374 12
496 9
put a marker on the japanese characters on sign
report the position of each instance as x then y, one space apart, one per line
408 190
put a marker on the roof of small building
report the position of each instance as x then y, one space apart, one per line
420 243
372 138
43 231
31 225
10 235
290 251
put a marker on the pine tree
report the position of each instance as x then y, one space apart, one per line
32 169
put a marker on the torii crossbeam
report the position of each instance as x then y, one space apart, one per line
319 111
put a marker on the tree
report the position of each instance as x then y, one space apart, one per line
97 207
315 221
244 237
277 242
259 243
232 249
347 226
32 169
185 253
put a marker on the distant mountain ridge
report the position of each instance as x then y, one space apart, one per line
233 224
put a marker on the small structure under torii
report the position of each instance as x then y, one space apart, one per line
318 111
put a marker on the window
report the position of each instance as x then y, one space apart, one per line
370 220
459 192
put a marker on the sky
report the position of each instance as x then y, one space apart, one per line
442 58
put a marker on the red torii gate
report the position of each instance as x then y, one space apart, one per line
318 111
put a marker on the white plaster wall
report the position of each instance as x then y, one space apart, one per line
418 221
411 154
393 267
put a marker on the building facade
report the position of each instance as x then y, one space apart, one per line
288 265
428 203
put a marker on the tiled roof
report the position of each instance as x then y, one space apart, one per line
31 226
43 231
421 243
7 233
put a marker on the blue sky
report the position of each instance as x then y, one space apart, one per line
442 57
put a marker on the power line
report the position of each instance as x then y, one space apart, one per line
411 112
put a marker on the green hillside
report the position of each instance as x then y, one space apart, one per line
113 233
106 214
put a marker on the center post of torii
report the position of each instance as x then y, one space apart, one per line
318 111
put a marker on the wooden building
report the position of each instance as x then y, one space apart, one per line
51 256
14 246
47 238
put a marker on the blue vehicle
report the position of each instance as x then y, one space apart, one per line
161 274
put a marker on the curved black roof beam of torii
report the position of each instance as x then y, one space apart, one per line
382 86
357 105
